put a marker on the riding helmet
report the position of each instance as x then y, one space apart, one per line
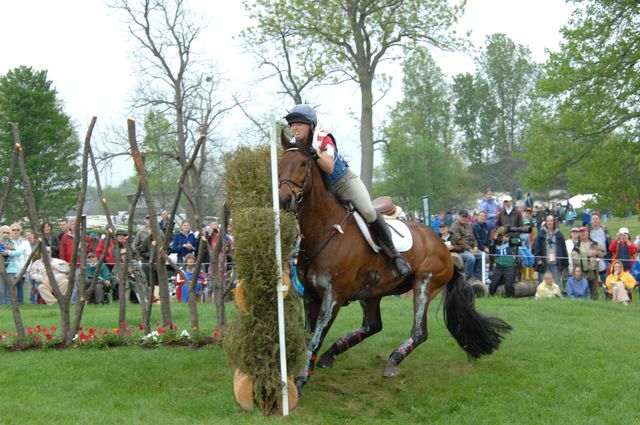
302 113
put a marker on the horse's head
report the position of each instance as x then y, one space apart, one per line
295 173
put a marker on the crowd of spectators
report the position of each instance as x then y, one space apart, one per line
16 247
522 239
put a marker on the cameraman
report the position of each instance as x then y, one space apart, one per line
513 222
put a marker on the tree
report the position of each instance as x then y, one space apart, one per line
425 107
356 36
49 143
586 126
160 164
173 82
418 159
491 108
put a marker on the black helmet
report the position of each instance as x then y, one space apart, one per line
302 113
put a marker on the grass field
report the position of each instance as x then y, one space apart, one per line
566 362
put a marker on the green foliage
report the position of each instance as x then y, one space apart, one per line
251 341
491 106
50 144
586 128
418 159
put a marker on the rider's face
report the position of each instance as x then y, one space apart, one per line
300 130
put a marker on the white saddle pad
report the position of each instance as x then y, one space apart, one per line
400 233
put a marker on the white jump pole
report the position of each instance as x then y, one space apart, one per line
280 287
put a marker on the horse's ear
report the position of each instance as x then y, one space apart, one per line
284 140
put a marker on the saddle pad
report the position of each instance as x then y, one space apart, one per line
400 234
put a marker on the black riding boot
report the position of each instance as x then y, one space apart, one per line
381 231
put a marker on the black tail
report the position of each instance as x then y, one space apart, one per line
477 334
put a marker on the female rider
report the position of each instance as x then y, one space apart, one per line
344 183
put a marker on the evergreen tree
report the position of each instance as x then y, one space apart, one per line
50 144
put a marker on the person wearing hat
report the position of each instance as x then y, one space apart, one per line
622 248
142 235
570 243
509 216
121 238
587 254
504 270
347 186
463 236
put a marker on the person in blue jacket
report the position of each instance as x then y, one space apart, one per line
184 242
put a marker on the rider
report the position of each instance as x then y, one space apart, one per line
344 183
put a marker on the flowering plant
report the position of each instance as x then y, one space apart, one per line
49 337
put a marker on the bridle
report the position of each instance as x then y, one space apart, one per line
299 194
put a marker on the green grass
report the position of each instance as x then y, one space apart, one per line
566 362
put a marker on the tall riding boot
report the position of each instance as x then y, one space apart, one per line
382 233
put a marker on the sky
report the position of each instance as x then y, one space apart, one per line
87 50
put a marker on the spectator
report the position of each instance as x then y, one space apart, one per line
539 216
446 237
17 250
184 242
623 249
182 286
481 232
570 243
504 270
48 238
577 285
102 281
548 288
164 221
448 218
462 235
509 216
528 202
60 273
110 259
619 283
142 235
490 207
601 235
570 215
524 250
550 251
55 247
66 244
31 284
5 232
635 270
585 254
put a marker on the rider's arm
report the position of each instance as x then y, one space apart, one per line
326 155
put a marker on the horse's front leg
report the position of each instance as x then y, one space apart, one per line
328 312
371 324
421 300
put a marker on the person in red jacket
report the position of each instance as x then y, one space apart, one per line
622 248
121 237
66 244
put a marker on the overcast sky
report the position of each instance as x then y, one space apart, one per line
86 49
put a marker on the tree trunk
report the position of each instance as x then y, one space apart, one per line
366 131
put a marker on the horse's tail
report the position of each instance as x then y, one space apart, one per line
476 334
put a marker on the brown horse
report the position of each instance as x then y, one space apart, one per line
336 266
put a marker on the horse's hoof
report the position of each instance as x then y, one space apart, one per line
325 361
390 371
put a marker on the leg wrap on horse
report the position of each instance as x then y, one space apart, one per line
382 233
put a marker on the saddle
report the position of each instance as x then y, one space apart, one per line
385 206
400 233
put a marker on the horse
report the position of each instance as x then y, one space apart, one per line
336 266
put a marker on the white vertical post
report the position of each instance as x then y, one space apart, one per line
280 287
484 267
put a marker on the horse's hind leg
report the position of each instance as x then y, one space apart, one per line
371 324
421 301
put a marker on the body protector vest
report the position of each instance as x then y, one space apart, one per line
321 143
